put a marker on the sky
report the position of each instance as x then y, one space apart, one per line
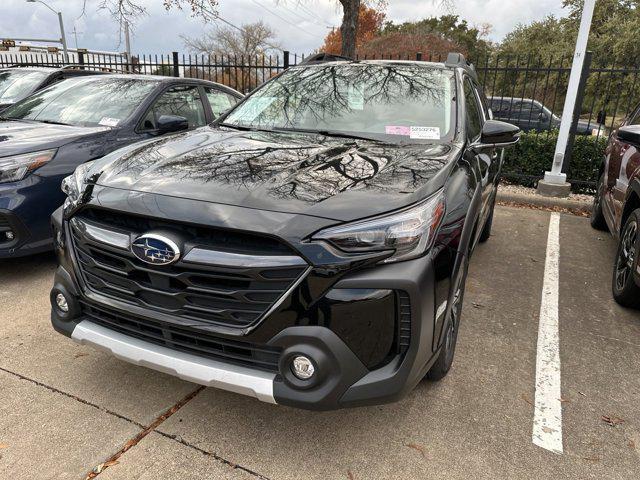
300 28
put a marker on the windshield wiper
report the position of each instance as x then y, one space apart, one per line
53 122
331 133
12 118
245 128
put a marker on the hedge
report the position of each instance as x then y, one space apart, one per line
526 163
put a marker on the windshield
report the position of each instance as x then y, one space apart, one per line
17 84
394 102
86 102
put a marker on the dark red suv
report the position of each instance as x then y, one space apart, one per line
617 207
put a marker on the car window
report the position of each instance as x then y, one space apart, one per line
635 118
393 103
501 106
474 116
220 101
17 84
183 101
84 101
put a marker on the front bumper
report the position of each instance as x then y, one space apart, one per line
25 210
192 368
337 335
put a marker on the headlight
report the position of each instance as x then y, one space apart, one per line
16 167
73 185
409 233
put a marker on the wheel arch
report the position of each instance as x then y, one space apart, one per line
631 203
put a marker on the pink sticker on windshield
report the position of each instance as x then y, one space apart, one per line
397 130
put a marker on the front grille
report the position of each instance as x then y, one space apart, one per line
229 296
185 339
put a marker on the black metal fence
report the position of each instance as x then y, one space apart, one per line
608 92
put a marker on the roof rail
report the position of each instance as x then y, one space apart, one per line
26 64
457 60
76 66
324 57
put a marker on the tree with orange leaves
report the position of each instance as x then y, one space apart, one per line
370 22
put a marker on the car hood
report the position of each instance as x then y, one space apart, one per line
329 177
26 136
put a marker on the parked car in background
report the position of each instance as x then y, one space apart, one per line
617 207
44 137
530 114
309 248
19 82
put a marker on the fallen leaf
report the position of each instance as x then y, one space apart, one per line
592 458
418 448
4 445
564 400
350 475
632 445
612 421
526 399
80 354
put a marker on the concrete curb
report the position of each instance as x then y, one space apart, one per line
549 202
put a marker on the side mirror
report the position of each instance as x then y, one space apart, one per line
630 134
499 134
171 123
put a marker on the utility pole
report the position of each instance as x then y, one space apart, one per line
555 182
127 46
75 34
63 39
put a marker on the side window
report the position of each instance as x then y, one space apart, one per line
635 118
501 106
220 101
474 116
183 101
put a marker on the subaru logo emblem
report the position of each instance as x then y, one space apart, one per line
155 249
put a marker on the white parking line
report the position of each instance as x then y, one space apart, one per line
547 420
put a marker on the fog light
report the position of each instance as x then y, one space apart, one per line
10 235
61 301
302 367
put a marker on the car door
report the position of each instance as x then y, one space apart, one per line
621 158
475 118
219 100
179 100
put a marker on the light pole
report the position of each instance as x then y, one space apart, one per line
63 39
555 182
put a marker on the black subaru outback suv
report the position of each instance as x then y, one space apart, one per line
309 248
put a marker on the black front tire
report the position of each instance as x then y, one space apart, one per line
598 221
444 361
625 290
488 224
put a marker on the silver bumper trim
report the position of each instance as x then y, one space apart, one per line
234 378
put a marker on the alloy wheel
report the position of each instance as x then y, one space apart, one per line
626 256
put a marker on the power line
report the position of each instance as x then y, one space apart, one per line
312 13
284 19
307 18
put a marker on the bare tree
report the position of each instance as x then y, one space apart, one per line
127 11
250 40
248 43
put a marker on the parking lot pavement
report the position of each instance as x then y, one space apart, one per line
66 408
